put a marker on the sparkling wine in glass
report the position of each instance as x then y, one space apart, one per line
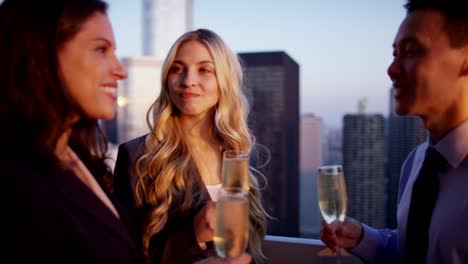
333 197
235 169
232 222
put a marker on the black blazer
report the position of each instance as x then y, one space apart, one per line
176 243
55 218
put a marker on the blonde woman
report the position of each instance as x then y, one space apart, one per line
166 179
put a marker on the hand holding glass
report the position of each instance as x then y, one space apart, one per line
333 197
232 222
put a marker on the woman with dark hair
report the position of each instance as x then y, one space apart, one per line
58 77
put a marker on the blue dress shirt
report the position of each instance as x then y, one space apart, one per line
448 232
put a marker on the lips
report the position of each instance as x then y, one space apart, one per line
188 95
110 91
398 85
397 91
400 92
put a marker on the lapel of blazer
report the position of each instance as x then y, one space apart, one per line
82 197
199 200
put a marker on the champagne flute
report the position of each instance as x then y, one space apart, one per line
235 169
232 222
333 197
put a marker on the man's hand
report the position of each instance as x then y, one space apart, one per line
347 235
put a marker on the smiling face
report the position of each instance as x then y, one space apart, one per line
90 68
426 70
192 82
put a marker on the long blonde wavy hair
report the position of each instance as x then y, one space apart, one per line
167 171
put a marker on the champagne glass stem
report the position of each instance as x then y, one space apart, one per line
339 260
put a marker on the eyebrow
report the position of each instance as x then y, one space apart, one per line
406 40
198 63
108 42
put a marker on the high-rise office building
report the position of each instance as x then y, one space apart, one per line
333 146
140 90
364 167
311 142
164 21
311 135
404 134
135 96
272 81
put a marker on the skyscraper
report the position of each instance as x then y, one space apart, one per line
272 81
404 134
140 90
333 147
311 142
135 96
310 158
364 167
163 22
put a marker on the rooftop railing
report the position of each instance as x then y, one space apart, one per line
291 250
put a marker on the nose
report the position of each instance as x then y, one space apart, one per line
189 78
118 69
394 69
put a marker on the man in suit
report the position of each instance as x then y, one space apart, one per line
430 76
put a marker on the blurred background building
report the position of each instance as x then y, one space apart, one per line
333 146
311 142
272 83
364 166
404 134
163 22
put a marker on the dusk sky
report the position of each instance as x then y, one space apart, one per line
343 47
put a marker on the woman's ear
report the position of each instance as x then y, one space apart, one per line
464 70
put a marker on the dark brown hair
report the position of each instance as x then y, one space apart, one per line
35 107
455 13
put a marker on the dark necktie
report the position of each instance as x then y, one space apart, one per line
423 199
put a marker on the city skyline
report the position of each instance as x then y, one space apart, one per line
343 48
